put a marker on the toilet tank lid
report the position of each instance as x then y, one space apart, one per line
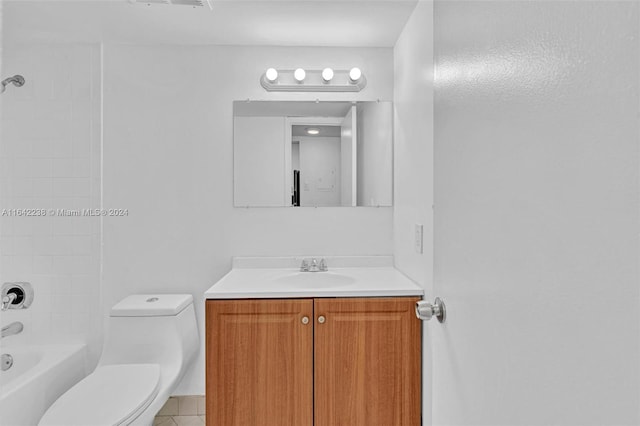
151 305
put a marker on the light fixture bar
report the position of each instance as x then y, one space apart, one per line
312 81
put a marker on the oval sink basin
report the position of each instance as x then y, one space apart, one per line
315 279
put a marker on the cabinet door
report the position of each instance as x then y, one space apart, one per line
367 362
259 363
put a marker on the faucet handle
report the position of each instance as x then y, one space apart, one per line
323 265
304 267
7 300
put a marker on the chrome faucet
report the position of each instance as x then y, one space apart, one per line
313 266
11 329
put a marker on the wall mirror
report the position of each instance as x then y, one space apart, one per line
312 154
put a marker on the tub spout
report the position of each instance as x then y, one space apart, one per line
11 329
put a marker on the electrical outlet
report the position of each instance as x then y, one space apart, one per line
418 238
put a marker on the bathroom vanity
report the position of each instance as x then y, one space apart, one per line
285 347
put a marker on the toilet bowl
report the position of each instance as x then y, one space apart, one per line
150 341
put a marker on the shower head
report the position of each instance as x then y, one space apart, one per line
16 80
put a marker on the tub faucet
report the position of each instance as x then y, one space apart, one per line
7 301
11 329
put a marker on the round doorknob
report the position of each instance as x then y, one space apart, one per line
426 310
321 319
305 320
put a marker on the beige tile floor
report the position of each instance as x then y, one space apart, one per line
181 411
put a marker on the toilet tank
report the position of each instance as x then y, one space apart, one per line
152 328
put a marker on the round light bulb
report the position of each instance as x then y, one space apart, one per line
327 74
355 74
299 75
272 75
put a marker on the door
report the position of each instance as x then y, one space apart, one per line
536 213
259 362
348 159
367 362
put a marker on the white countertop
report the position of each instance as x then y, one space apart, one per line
368 277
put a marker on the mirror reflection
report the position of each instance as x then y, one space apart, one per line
312 154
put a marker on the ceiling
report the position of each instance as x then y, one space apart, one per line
340 23
323 131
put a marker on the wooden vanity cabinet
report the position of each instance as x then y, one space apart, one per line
355 362
367 362
259 362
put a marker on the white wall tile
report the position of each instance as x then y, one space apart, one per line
63 245
61 323
42 188
42 264
6 245
22 225
63 187
22 167
62 148
22 263
41 167
82 284
40 136
43 226
23 245
43 245
81 168
80 322
82 245
43 148
63 264
63 167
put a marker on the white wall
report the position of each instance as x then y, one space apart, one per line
50 159
413 144
413 163
537 213
258 162
319 171
168 148
375 154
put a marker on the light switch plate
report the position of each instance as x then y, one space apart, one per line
418 238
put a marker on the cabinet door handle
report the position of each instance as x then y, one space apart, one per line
321 319
305 320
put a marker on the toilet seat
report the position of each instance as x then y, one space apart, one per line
112 395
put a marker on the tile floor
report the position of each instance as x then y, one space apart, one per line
181 411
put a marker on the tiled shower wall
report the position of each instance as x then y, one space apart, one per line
50 160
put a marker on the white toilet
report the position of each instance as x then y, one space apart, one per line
151 340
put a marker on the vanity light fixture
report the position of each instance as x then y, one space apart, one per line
299 75
271 75
313 131
327 75
319 80
355 75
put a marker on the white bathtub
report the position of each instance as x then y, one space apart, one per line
39 375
